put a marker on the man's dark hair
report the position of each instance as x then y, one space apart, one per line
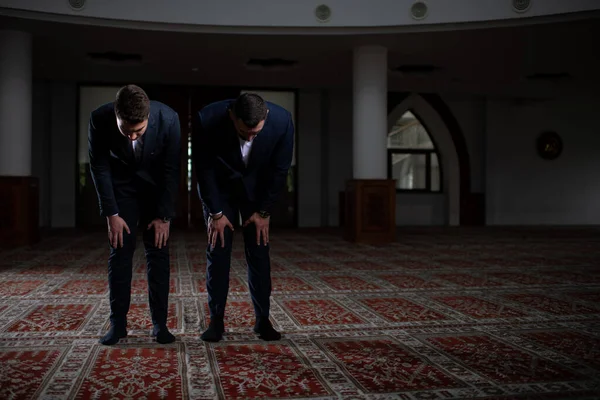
250 108
132 104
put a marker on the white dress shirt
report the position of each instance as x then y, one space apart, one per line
245 147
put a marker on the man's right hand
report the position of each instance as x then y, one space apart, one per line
116 225
217 227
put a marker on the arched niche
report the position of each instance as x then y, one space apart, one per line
444 143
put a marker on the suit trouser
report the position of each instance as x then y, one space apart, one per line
133 209
219 263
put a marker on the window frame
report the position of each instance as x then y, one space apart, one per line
427 153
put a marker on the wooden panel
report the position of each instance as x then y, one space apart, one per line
370 211
342 208
19 211
375 212
350 208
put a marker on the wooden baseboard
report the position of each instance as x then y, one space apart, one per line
19 211
370 211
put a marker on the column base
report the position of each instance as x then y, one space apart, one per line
19 211
370 215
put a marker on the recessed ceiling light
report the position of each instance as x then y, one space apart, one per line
419 10
323 13
521 6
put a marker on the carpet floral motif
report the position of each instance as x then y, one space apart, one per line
486 313
265 371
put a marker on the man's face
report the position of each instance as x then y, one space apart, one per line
247 133
132 130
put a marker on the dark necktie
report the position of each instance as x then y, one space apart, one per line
138 147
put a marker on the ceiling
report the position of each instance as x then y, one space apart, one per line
493 60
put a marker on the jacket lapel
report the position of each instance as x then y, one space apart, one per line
258 145
256 150
149 140
236 149
127 148
122 147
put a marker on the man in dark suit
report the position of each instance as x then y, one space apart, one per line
242 152
134 148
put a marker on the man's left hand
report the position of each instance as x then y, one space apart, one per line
161 232
262 227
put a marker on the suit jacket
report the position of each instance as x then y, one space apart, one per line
113 165
222 174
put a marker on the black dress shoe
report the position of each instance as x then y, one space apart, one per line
113 335
215 330
162 335
265 330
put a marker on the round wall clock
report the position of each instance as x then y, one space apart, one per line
549 145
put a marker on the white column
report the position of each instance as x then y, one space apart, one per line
15 103
370 113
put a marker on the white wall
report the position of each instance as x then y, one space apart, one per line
325 154
339 149
294 13
309 136
469 111
416 209
520 187
524 189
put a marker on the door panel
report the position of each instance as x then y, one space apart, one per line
177 97
201 97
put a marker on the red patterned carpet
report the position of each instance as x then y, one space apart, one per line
440 314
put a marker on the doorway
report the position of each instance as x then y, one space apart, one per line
185 100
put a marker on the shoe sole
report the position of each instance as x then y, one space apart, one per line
112 344
266 340
211 340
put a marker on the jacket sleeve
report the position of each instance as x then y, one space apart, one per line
204 159
171 170
99 153
280 163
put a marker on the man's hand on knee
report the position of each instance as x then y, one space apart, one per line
116 225
216 227
262 227
161 232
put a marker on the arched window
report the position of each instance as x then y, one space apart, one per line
412 157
